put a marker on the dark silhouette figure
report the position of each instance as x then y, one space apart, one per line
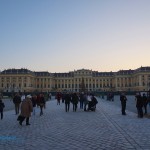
145 102
139 105
75 100
123 100
67 99
17 101
1 108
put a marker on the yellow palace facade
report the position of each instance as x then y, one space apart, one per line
24 80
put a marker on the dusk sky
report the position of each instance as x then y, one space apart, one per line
67 35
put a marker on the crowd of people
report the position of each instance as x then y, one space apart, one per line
27 104
141 101
87 101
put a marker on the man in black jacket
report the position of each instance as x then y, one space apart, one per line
67 102
17 101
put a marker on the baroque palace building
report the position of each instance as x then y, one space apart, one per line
24 80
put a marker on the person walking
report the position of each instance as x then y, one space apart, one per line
17 101
42 104
81 100
85 101
123 100
50 96
26 109
23 97
75 101
145 102
58 97
1 108
67 99
34 100
63 97
139 104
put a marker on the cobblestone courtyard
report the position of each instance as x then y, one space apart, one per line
105 129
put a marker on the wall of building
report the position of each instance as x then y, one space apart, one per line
73 81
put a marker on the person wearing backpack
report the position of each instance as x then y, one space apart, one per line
1 108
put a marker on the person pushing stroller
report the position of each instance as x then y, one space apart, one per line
92 103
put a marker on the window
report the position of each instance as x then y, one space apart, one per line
86 85
56 86
24 85
90 85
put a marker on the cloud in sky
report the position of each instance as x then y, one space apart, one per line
63 35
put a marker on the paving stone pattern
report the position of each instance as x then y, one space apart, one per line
104 129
